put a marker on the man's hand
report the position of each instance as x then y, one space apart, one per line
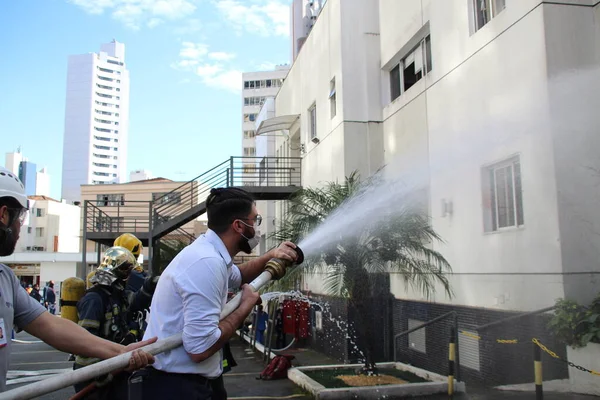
249 297
139 358
285 251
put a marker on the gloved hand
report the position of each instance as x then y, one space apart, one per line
150 284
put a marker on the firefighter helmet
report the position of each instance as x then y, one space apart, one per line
118 261
131 243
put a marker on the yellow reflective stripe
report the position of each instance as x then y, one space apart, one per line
225 363
89 323
452 355
538 372
471 335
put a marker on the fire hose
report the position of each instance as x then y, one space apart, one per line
274 270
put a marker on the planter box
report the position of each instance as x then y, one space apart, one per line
587 357
437 384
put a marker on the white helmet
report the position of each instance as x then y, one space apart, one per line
11 186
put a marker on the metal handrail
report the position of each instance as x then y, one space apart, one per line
512 318
425 324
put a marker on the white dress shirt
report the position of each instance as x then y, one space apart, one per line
189 297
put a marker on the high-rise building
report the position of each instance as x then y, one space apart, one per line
258 86
42 183
37 183
96 120
27 175
13 161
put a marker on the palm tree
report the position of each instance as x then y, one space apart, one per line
398 243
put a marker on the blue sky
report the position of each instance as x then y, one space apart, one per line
185 59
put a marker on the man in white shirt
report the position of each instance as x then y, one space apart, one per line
192 292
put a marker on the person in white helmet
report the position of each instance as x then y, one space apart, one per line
19 311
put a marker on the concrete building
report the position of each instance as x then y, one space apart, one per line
140 175
257 87
303 15
42 183
28 175
96 120
49 242
128 204
489 108
37 183
13 161
417 85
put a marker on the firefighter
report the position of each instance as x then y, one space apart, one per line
104 311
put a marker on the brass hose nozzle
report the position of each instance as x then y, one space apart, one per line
277 267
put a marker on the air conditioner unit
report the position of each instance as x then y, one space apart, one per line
315 140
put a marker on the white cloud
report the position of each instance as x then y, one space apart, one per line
221 56
230 80
136 13
261 17
193 51
213 68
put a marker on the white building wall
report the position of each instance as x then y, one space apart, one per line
140 175
12 162
491 95
42 183
96 120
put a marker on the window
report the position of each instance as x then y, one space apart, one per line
249 134
110 71
101 155
114 62
249 151
254 101
417 340
103 121
100 173
485 10
503 195
101 165
39 212
312 120
167 198
101 147
110 199
416 64
104 87
104 78
332 102
102 130
108 96
29 229
39 232
249 117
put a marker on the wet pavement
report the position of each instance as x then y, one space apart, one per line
31 362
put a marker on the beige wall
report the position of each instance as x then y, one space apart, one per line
137 198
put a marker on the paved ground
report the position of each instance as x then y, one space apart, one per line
33 362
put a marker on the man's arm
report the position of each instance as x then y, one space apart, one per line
69 337
228 325
253 268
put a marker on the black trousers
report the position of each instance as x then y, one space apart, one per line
151 384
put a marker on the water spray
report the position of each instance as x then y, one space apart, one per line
275 269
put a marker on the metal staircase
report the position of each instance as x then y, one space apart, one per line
267 178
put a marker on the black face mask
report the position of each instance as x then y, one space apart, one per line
8 240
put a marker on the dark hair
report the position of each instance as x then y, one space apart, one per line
10 202
224 205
